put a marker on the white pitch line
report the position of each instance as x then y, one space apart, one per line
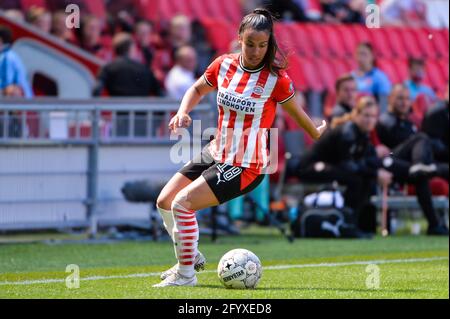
153 274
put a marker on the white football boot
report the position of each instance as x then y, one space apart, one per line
199 264
177 279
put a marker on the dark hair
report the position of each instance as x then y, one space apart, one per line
143 21
5 34
415 61
34 13
122 43
262 20
342 79
369 46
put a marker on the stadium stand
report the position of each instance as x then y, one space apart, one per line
335 43
318 53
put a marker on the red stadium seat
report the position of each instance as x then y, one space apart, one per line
444 33
381 44
341 67
349 40
27 4
303 42
424 43
394 38
411 44
443 65
435 75
396 69
220 33
386 67
284 37
306 68
334 41
326 72
439 186
360 33
296 75
166 10
419 107
439 41
402 69
204 9
96 7
231 9
319 43
148 8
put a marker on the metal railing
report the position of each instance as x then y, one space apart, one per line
89 124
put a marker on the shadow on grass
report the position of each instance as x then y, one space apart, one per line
321 289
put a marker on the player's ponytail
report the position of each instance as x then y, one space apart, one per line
262 20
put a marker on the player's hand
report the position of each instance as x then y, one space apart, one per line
382 150
179 120
322 128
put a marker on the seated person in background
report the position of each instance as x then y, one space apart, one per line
340 11
436 125
369 78
126 77
143 35
346 93
403 13
399 134
90 38
60 30
182 76
39 18
416 67
288 10
344 154
13 76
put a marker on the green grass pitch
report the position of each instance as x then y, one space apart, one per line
409 267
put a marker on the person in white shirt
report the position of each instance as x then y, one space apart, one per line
182 76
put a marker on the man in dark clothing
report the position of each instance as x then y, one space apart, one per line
287 9
126 77
397 132
346 93
436 125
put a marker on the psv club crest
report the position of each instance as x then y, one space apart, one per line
258 90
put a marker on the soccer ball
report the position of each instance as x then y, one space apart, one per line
239 269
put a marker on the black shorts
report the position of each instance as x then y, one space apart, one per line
226 181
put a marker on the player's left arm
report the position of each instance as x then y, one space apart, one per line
303 120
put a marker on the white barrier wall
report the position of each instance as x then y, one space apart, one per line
45 186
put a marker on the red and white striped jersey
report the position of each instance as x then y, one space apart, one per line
246 101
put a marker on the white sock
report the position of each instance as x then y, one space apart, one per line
185 237
168 220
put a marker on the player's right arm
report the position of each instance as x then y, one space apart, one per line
190 99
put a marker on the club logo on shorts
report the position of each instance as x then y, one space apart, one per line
226 175
258 90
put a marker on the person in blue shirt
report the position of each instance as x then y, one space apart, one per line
13 76
416 76
369 78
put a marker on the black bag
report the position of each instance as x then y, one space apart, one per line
321 223
323 216
141 191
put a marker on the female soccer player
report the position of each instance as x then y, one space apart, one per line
249 84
